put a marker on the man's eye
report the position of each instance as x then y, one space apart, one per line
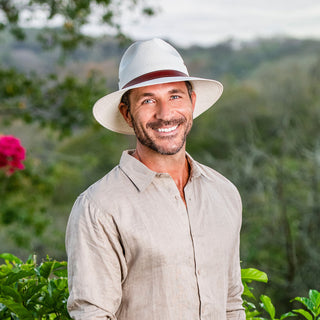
174 97
147 101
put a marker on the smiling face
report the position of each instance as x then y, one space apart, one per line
161 116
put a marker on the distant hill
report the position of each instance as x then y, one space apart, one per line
228 58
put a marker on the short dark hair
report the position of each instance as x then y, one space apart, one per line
125 99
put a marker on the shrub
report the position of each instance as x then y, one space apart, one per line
36 292
28 291
255 310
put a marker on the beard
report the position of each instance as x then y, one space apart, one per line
155 143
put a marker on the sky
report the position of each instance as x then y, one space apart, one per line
207 22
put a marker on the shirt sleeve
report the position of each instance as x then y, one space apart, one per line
96 263
235 310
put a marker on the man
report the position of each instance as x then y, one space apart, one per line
158 236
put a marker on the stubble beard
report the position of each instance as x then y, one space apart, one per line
145 139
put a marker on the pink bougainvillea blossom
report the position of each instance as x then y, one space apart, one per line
12 154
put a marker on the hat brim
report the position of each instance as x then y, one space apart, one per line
106 111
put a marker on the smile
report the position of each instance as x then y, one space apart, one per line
167 129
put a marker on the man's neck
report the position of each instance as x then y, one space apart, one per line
176 165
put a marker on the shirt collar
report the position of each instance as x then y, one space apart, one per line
197 170
141 176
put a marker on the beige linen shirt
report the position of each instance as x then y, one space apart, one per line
136 252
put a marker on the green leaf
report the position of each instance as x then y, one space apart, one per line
247 291
62 273
6 292
33 291
305 301
18 275
17 308
252 274
287 315
10 257
46 268
32 259
268 306
315 298
304 313
51 287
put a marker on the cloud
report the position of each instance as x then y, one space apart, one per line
206 22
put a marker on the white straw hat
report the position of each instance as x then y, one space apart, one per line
147 63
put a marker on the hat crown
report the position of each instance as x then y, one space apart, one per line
144 57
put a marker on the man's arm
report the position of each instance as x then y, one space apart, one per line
96 264
235 310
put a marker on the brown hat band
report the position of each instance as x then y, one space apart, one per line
155 75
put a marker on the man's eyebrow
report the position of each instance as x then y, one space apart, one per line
151 94
176 91
146 94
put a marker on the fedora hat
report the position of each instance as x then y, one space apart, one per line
147 63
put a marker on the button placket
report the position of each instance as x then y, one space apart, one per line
198 269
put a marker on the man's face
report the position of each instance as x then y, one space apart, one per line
161 116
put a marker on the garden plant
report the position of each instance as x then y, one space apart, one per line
31 291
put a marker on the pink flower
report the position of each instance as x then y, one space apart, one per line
12 154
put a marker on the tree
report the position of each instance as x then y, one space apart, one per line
48 99
74 16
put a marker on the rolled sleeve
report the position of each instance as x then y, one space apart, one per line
96 263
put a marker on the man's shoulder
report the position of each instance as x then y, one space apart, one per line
218 180
214 175
222 186
106 181
108 189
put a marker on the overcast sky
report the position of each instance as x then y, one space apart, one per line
206 22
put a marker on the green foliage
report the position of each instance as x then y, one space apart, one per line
312 304
62 104
74 14
249 275
223 59
23 202
31 291
255 311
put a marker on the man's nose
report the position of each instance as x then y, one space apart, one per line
164 110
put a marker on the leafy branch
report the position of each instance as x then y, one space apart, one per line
73 15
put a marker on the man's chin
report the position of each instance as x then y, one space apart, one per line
165 145
167 150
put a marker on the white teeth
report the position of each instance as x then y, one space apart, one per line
167 129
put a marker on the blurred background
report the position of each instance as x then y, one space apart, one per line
57 58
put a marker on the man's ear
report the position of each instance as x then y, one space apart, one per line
193 99
124 110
